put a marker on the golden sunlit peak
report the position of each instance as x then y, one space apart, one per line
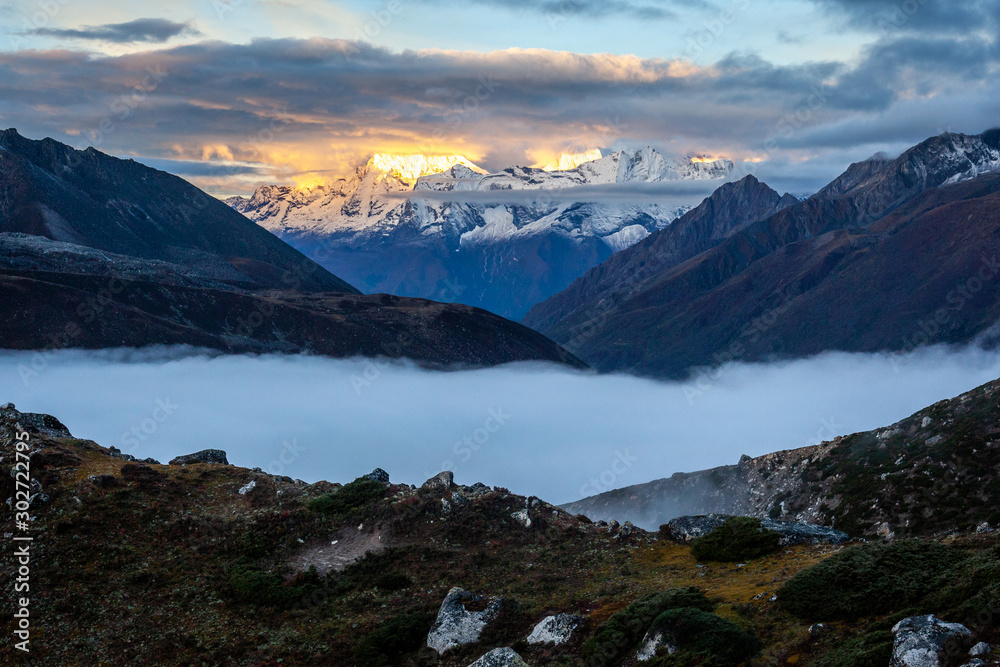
409 168
310 182
703 159
569 161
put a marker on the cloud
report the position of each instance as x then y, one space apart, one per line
583 8
691 192
140 30
535 429
321 105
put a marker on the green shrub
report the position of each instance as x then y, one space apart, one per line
869 579
623 631
738 539
349 497
870 650
392 640
703 639
251 585
256 587
393 581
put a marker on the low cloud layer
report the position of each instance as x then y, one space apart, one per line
689 192
535 429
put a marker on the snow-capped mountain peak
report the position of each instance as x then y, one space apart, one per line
408 168
568 161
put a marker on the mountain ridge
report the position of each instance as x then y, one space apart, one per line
878 215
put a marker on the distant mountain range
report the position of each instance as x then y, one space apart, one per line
442 228
97 252
893 254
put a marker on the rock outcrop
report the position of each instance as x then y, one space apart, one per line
457 626
443 481
557 629
500 657
920 641
204 456
689 528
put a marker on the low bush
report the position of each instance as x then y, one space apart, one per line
391 641
869 650
623 631
869 579
704 639
738 539
349 497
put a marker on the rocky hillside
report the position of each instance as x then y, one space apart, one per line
893 255
233 566
935 472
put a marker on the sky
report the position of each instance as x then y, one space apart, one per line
231 94
534 429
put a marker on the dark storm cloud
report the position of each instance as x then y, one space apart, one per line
140 30
932 16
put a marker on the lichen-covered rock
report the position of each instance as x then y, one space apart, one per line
500 657
456 626
378 475
522 517
248 487
690 528
921 639
651 644
443 481
204 456
556 629
980 649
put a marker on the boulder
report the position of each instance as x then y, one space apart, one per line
651 643
980 649
442 481
378 475
204 456
920 640
248 487
500 657
117 453
104 481
554 629
456 626
522 517
690 528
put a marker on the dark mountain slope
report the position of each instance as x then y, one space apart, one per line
95 200
730 208
97 252
815 276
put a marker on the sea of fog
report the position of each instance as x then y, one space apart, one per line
535 429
